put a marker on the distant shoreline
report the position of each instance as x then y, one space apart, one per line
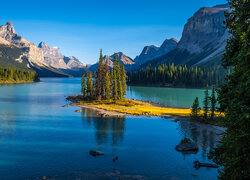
164 86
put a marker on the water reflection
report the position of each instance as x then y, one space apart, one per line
203 135
106 128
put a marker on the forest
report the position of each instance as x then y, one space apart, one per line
180 76
15 75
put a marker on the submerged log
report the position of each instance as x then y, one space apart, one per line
197 165
96 153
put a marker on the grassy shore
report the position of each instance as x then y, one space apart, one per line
131 107
13 82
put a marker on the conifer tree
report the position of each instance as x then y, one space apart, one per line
123 80
100 78
206 104
89 84
114 81
213 102
107 86
195 109
83 89
232 153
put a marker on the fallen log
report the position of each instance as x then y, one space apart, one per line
197 165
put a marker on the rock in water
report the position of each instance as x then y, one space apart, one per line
96 153
186 145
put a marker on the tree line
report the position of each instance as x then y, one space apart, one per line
178 75
16 75
107 84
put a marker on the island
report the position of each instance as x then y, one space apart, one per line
105 93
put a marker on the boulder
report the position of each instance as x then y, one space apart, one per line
186 145
95 153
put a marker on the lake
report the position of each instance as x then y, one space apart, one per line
38 137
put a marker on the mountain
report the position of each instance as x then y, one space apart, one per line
151 52
123 59
69 65
53 57
18 52
203 39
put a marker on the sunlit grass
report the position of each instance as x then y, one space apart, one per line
138 108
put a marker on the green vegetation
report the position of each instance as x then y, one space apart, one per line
234 97
206 104
14 75
195 110
208 113
106 85
183 76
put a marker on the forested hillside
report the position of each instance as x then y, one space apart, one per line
177 75
14 75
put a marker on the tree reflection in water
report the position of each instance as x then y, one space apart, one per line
205 137
107 128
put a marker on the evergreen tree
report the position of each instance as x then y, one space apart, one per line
100 78
114 81
195 112
123 80
232 153
89 84
83 89
213 102
206 104
107 86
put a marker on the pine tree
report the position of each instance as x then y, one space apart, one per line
118 76
89 84
83 89
206 104
100 78
107 86
195 110
213 102
232 153
114 81
123 80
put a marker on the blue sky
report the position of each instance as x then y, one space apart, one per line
81 28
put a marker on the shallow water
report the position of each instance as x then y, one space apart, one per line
38 137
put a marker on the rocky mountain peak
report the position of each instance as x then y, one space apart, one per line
31 51
10 27
123 58
151 52
206 26
54 57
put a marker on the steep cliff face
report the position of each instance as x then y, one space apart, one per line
151 52
73 62
203 29
148 53
53 57
31 51
203 38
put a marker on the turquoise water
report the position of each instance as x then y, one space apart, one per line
38 137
